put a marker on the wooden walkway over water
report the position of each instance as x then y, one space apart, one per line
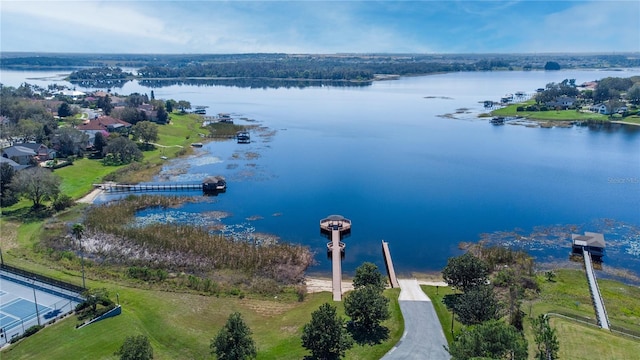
148 187
393 280
335 227
598 302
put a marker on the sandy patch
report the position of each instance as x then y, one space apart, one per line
315 285
90 197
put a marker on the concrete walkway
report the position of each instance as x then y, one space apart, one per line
423 337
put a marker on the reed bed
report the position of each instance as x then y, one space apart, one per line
110 239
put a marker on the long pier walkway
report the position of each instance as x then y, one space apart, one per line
393 280
598 303
149 187
336 227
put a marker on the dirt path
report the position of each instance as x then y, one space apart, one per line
90 197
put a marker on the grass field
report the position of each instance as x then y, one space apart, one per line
569 295
181 326
578 342
551 115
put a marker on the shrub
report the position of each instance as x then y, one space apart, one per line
520 108
62 202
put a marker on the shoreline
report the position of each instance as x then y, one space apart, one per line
316 284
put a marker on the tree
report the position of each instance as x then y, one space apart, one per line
7 195
492 339
476 305
551 65
234 341
633 94
31 130
184 105
162 117
325 335
545 338
129 114
78 231
99 143
122 150
465 271
368 274
170 105
71 141
135 348
37 184
64 110
367 308
146 131
104 103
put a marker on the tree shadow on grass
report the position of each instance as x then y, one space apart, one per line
368 336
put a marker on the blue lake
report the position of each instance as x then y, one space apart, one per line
409 162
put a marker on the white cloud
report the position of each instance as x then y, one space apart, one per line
596 26
110 19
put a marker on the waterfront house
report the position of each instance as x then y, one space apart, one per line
13 164
43 153
562 102
106 123
600 109
20 154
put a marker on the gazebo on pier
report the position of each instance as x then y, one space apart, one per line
335 227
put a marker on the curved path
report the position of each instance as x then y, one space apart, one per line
423 337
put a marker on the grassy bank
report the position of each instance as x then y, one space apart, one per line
569 295
181 326
174 140
550 115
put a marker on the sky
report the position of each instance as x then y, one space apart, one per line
219 27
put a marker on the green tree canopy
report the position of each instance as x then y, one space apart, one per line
64 110
367 308
545 337
476 305
551 65
7 195
122 150
70 141
37 184
234 341
325 335
135 348
633 94
99 143
465 271
146 131
368 274
493 339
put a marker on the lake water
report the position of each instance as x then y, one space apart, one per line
397 160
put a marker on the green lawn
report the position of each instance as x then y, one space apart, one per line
551 115
78 179
569 295
180 326
579 342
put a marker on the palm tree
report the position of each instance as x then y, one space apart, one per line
78 231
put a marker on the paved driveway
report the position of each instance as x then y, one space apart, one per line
423 338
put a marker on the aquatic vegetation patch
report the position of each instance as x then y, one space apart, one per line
182 241
552 244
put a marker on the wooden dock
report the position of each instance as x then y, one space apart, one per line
336 226
112 187
393 280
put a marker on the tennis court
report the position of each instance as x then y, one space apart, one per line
18 298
